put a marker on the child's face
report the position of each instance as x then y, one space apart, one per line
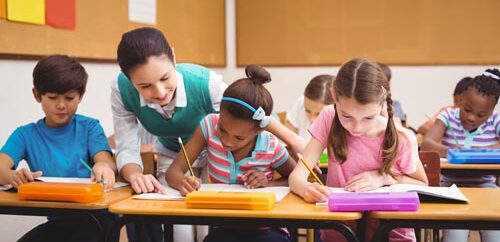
58 108
475 108
235 134
358 119
156 80
313 108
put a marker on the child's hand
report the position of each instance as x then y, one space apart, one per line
23 176
105 175
367 181
189 184
254 179
314 192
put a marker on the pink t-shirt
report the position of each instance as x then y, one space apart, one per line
364 154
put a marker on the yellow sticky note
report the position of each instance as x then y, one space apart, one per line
3 9
28 11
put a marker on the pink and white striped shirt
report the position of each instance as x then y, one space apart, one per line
267 155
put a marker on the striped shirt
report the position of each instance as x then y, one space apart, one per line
486 134
267 155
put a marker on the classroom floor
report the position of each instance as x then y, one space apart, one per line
473 237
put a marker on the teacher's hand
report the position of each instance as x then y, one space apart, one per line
145 183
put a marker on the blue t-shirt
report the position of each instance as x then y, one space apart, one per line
57 151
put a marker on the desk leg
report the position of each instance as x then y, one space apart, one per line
114 232
168 233
382 233
346 231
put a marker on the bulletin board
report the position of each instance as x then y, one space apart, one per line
330 32
194 28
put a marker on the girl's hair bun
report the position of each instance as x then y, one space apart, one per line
257 74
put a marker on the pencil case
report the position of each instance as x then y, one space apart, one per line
231 200
59 191
473 156
371 201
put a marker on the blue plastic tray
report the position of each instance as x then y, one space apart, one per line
474 156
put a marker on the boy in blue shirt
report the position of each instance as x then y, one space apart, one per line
54 145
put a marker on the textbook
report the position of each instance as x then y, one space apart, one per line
173 194
449 194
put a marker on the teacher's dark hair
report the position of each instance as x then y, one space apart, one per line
137 45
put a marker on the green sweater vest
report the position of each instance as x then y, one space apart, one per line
185 120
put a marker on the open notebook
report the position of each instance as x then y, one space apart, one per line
23 164
449 194
173 194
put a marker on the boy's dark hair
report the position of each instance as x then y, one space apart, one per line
319 88
250 90
59 74
488 83
137 45
462 85
387 71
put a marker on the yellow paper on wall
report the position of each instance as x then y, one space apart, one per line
28 11
3 9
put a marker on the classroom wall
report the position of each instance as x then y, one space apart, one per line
421 90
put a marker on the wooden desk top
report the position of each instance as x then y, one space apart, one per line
291 207
483 206
10 199
448 166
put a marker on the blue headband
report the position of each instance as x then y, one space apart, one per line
258 114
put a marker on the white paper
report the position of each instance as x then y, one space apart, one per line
142 11
76 180
173 194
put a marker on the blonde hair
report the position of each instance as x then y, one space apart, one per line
364 81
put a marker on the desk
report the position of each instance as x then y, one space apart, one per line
10 204
292 211
482 212
473 169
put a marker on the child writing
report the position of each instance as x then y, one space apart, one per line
308 106
473 124
365 150
239 151
461 86
55 144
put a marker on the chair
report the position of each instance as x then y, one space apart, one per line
432 166
149 162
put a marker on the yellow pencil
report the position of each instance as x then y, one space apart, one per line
310 170
186 156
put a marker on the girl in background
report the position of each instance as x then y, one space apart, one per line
308 106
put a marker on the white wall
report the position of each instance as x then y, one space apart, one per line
421 90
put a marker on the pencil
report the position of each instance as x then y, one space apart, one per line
309 168
91 170
185 156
